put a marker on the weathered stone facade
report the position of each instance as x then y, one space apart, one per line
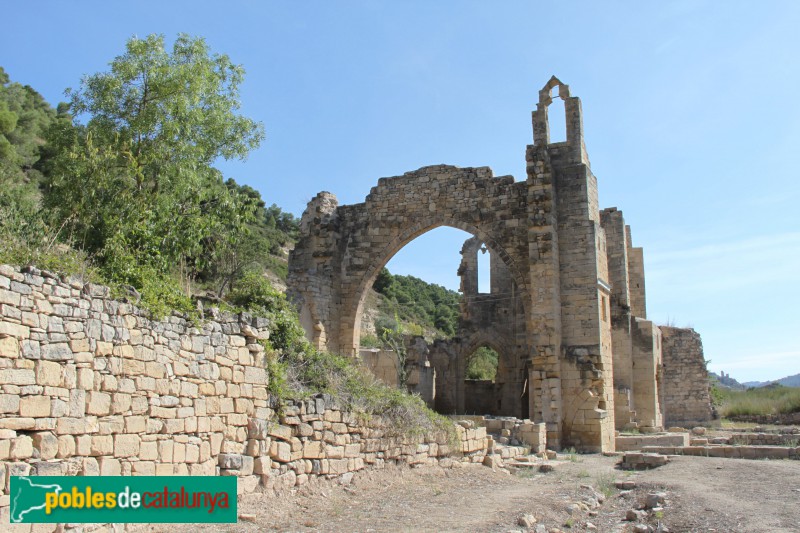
687 399
91 386
572 335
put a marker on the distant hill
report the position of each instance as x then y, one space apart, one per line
788 381
725 380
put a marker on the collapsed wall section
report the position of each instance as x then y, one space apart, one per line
686 391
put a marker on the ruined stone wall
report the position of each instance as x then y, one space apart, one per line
579 281
91 386
686 394
495 319
343 248
585 368
638 301
647 373
383 364
620 315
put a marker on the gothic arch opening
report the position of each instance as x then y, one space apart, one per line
484 271
418 287
482 364
379 260
494 319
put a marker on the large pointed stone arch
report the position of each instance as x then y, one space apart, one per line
383 256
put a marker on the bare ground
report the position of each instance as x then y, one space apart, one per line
703 494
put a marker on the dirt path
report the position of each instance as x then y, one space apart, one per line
703 494
744 495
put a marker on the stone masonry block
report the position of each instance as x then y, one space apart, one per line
34 406
126 445
46 443
9 347
98 403
280 451
48 373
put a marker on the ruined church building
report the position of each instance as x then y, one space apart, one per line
566 312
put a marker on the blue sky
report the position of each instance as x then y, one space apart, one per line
691 113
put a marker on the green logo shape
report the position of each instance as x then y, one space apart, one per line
123 499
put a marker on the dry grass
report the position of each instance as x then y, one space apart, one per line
769 400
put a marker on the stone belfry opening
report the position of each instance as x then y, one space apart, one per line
565 311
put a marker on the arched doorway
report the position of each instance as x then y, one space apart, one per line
480 387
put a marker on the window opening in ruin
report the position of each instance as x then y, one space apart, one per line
557 118
482 364
484 271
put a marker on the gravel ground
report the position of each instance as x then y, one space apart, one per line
702 494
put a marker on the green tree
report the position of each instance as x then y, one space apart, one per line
392 336
135 186
238 249
24 118
482 364
383 281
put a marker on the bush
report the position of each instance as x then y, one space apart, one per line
254 293
298 374
297 370
356 390
370 341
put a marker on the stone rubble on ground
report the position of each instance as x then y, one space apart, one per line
526 521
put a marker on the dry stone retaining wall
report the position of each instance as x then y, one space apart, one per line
759 439
91 386
782 418
626 443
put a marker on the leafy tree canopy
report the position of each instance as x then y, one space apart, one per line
24 118
135 184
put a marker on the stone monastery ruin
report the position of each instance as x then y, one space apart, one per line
566 310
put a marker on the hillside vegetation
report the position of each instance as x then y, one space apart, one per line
431 308
409 305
